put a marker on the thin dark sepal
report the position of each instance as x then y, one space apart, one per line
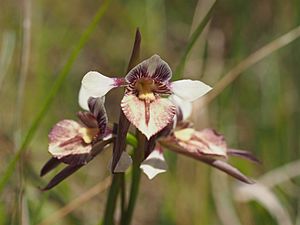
66 172
243 154
50 165
230 170
135 54
219 164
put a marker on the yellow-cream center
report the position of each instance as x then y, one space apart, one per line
184 134
88 134
145 89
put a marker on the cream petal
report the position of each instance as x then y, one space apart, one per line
215 142
206 142
124 163
161 114
189 90
95 84
185 106
65 140
154 164
184 134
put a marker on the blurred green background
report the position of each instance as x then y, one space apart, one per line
259 111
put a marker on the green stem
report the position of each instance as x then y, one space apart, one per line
136 177
52 93
135 184
123 198
112 200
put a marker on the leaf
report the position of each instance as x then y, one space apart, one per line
267 199
192 41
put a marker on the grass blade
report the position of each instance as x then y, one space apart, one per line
194 37
77 202
6 53
252 59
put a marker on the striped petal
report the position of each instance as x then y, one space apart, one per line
159 114
154 68
96 106
189 90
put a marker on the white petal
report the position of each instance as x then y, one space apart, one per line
83 98
97 83
189 90
94 84
154 164
124 163
185 106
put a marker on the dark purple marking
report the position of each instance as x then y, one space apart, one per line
71 141
147 111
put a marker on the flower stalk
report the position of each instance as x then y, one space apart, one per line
135 177
111 202
119 147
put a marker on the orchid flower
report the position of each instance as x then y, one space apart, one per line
205 145
147 84
75 144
